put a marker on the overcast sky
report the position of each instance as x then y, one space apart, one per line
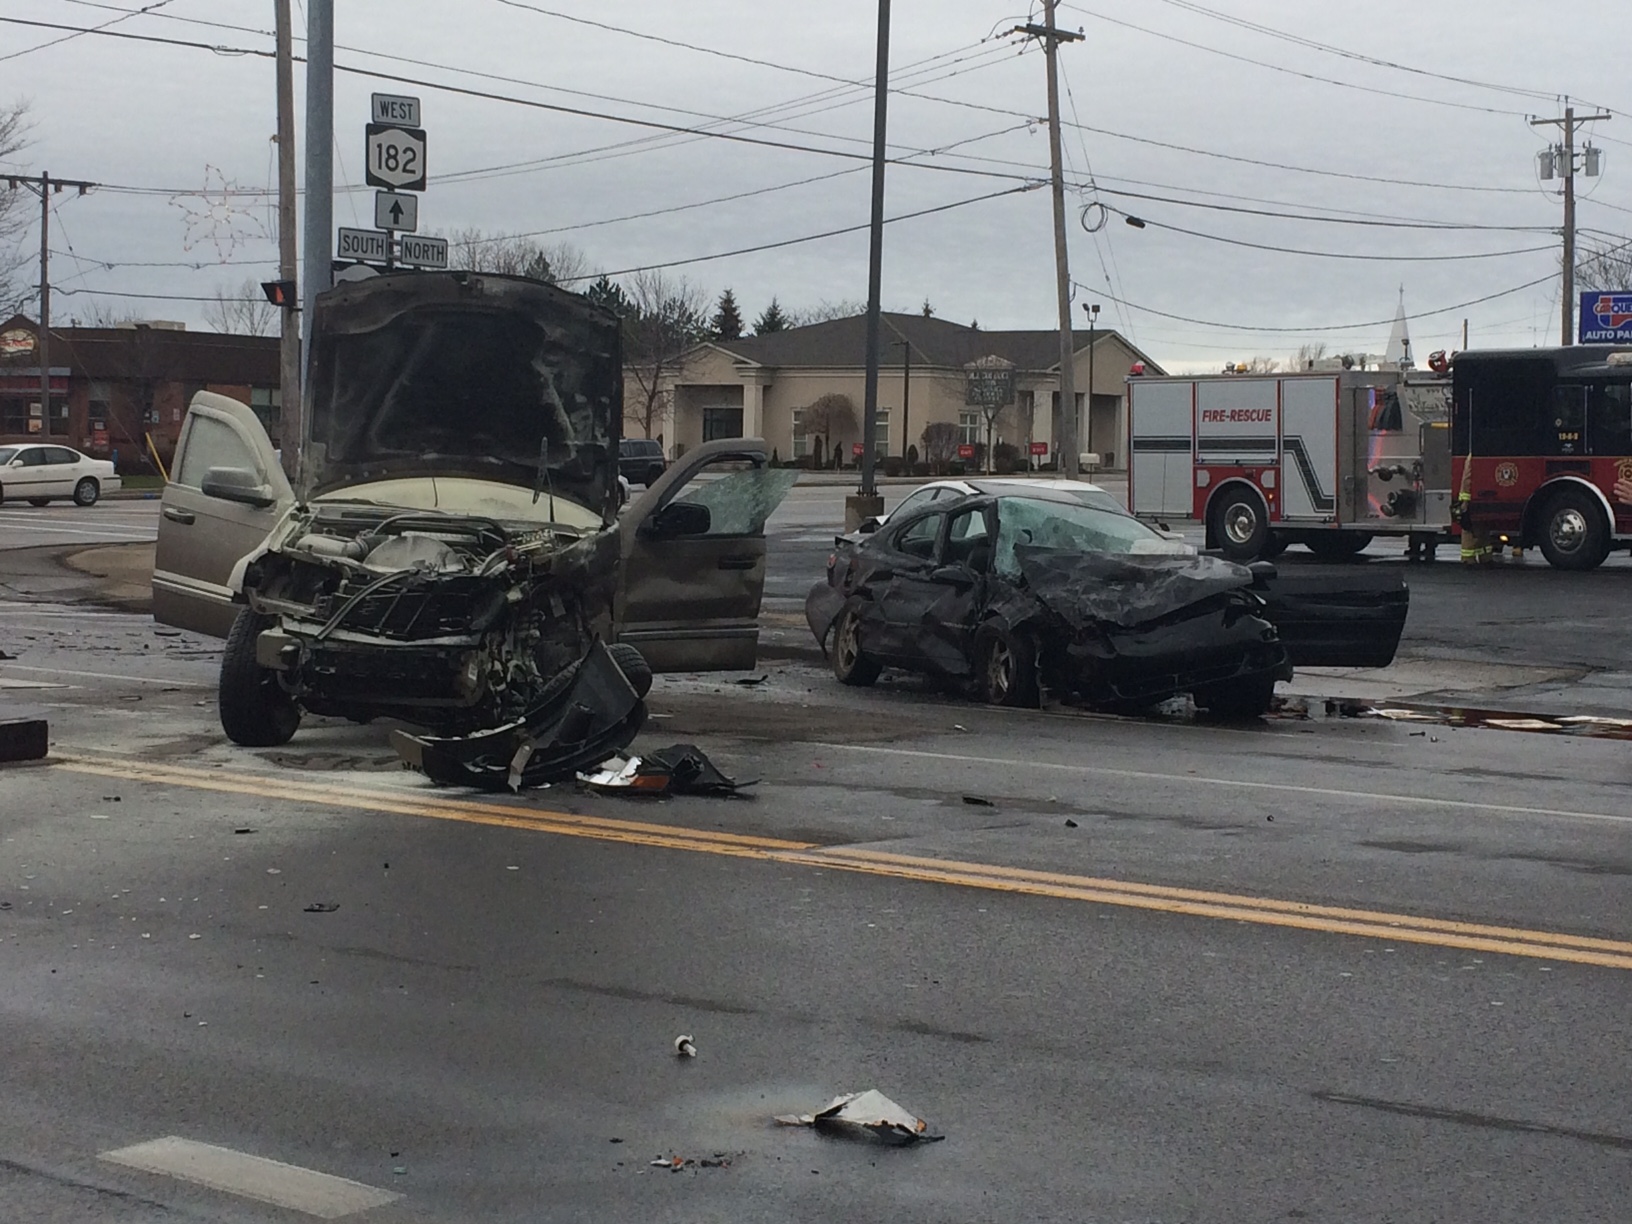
1301 91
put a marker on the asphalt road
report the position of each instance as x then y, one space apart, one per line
114 521
1344 970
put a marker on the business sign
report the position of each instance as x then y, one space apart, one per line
18 342
1606 318
1039 448
988 386
966 450
416 252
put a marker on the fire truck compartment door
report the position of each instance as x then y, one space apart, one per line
1237 420
1160 419
1309 482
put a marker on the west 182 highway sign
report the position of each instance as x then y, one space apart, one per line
396 157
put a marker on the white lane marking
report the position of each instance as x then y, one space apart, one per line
6 682
104 534
1141 775
253 1177
59 671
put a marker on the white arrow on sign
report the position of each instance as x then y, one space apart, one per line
396 210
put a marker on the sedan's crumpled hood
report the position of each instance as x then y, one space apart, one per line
464 374
1124 590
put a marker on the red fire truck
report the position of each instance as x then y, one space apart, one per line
1331 460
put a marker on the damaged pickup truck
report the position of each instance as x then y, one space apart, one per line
453 557
1017 593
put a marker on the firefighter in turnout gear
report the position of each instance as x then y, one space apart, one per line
1475 550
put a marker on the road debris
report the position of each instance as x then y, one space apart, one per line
24 739
685 1046
680 769
720 1160
751 681
863 1114
977 801
322 907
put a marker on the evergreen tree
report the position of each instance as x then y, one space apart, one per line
608 293
771 320
727 321
929 311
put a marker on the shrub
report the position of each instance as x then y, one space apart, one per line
893 465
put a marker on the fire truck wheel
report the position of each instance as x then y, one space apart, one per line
1338 545
1240 524
1574 535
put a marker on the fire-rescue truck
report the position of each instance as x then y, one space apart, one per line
1333 459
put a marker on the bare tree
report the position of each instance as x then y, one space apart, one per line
477 251
15 212
243 311
665 320
1307 355
1605 270
100 314
832 416
825 311
940 440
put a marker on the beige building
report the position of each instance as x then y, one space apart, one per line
773 386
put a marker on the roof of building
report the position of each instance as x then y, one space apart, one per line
938 342
163 353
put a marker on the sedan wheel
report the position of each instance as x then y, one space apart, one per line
1009 670
851 664
87 491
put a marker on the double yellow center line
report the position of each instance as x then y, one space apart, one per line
1336 920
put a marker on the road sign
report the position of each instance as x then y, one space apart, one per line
415 252
396 210
1039 448
396 157
366 246
396 110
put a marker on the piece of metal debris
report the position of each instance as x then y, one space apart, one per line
685 1046
680 769
750 681
863 1114
977 801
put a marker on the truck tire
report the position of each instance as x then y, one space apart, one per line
255 711
1008 669
1574 534
851 664
634 667
1240 524
1337 545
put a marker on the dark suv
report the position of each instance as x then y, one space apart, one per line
640 460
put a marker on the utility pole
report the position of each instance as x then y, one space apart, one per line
44 186
1566 154
866 503
319 270
1066 442
906 395
289 418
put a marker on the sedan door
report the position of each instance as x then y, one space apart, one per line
693 558
63 469
202 537
26 475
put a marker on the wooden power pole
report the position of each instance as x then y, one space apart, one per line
289 419
44 186
1566 156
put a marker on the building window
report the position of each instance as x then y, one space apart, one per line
881 432
58 424
721 423
267 404
801 440
969 428
13 415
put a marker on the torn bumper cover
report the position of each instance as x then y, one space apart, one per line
589 713
866 1114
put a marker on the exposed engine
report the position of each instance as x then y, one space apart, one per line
448 621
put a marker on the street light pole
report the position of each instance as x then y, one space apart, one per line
866 503
1092 311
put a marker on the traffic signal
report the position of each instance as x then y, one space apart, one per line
280 293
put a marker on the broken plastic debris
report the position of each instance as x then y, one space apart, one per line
977 801
1523 724
624 773
321 907
858 1114
750 681
685 1046
680 769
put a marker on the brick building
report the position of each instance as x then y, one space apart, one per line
112 388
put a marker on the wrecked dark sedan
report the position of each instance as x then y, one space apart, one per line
1015 594
453 557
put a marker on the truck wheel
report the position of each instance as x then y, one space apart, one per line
634 667
1338 545
255 711
1008 669
1574 535
851 664
1240 525
1237 700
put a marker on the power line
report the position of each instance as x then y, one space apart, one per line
1266 331
154 297
1315 217
128 14
1282 68
1282 249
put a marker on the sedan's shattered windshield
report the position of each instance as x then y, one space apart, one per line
1065 527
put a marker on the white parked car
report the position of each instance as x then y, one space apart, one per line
44 473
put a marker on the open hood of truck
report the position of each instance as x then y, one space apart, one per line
464 374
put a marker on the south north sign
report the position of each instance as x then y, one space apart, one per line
364 246
414 252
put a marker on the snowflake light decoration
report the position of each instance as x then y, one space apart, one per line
222 214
